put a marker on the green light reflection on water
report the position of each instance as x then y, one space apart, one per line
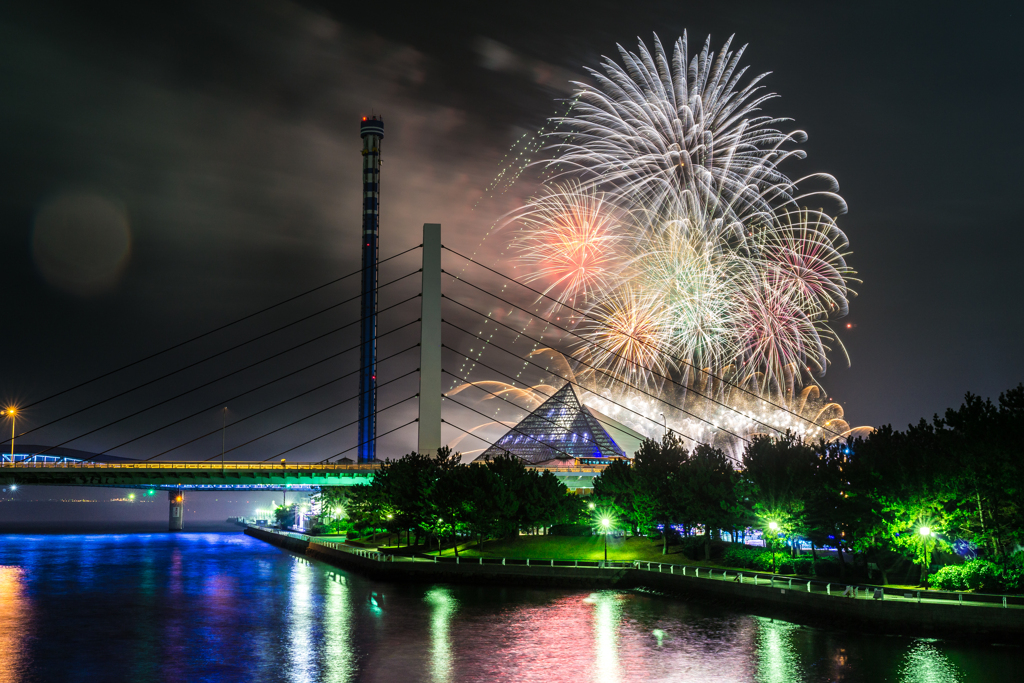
607 611
925 663
338 650
777 659
300 623
443 607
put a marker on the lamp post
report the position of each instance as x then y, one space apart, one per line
926 539
13 414
223 434
605 523
774 528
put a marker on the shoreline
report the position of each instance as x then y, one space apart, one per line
899 616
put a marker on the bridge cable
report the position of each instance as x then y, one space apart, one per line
338 429
213 331
201 386
598 419
416 419
640 341
262 386
301 419
550 372
514 429
574 383
221 353
656 374
523 334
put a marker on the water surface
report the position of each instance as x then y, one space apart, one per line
226 607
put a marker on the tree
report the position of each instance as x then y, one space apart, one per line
707 490
330 502
777 479
827 504
654 471
510 484
614 489
895 474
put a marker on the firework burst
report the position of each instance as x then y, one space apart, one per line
669 224
570 241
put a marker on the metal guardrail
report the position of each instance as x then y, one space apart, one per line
840 589
833 588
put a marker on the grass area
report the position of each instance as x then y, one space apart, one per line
572 548
583 548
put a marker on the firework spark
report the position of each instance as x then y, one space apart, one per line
692 257
569 239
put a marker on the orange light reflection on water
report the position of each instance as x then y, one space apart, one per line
15 624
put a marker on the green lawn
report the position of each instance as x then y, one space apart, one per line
572 548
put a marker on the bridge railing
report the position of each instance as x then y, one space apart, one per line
217 465
355 467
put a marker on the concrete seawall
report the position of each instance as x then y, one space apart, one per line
447 572
991 622
890 616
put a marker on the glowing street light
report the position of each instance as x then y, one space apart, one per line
774 528
605 524
11 412
925 531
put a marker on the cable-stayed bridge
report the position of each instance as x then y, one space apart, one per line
462 351
270 407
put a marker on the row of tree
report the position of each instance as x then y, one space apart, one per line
955 483
430 498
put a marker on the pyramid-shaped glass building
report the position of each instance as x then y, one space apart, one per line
562 428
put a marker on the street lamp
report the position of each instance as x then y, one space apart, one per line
927 534
12 413
605 523
774 528
223 434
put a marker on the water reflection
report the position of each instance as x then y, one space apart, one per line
228 608
339 654
606 619
300 623
442 608
15 624
926 663
777 660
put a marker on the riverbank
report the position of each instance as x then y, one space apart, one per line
805 601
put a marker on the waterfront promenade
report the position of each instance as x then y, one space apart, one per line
874 607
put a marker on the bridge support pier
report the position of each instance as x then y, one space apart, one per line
177 514
430 343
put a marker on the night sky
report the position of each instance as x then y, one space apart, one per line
223 138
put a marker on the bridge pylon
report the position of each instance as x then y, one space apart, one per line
430 343
177 514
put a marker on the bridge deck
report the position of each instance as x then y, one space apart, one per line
228 475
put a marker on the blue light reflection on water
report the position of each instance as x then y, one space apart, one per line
225 607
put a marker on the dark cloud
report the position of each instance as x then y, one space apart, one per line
228 131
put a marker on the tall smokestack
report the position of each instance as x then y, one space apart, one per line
372 132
